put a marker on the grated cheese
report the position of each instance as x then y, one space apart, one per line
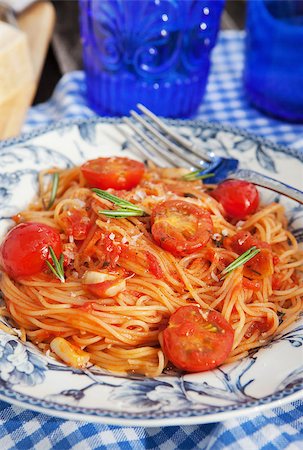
133 239
139 195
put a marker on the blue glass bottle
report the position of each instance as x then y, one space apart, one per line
273 74
151 51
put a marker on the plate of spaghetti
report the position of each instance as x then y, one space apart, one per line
134 294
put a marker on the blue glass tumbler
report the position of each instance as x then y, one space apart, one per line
156 52
273 74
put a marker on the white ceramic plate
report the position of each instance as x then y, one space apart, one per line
270 377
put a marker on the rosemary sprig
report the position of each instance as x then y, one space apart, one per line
242 259
116 200
197 175
57 268
127 209
121 213
55 184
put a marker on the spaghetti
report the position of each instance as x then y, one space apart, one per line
119 330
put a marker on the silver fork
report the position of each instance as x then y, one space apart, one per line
156 141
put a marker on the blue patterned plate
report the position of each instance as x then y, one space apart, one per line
270 377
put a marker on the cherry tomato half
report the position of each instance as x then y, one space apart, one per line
195 341
238 198
116 172
181 227
261 265
25 248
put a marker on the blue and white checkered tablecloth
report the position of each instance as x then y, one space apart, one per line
280 428
224 102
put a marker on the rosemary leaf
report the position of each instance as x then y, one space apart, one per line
242 259
54 190
121 213
127 209
117 200
57 268
197 175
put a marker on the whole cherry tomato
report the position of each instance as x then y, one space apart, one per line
181 227
116 173
238 198
195 341
26 248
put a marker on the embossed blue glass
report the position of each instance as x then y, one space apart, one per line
273 75
151 51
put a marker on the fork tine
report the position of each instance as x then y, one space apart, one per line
163 153
140 148
186 143
170 145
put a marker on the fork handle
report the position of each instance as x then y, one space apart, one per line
268 183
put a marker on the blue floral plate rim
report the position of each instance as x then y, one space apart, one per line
171 419
39 130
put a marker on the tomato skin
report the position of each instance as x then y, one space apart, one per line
111 250
181 227
116 173
153 265
76 223
261 265
195 341
254 285
242 241
100 289
262 325
25 248
239 198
